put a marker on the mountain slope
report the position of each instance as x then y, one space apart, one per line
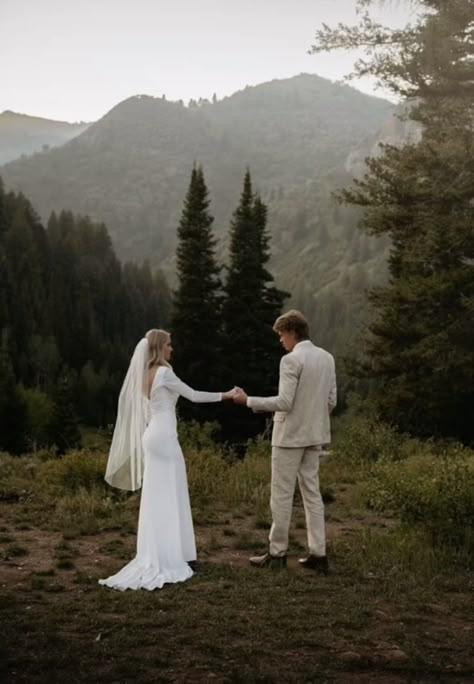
131 168
21 134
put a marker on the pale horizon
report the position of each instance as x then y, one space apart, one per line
74 63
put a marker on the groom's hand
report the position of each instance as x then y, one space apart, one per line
240 396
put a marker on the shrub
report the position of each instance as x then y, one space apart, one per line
18 476
84 510
196 435
77 469
363 439
434 492
213 478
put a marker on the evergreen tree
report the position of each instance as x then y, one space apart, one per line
251 352
419 351
13 418
39 416
66 303
4 283
65 432
197 301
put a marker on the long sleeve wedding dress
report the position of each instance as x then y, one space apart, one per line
165 537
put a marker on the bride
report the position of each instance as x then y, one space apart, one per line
145 447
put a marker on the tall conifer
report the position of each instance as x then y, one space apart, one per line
196 315
252 303
65 432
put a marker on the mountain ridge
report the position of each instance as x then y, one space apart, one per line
24 134
131 170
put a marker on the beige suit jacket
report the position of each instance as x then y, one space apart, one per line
306 395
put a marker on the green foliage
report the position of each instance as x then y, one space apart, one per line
197 301
364 439
86 510
65 433
67 308
197 435
223 335
435 493
81 469
427 486
39 414
297 135
251 352
13 416
419 352
216 482
18 476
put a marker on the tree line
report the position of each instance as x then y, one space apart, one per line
71 314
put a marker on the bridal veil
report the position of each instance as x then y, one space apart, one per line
125 464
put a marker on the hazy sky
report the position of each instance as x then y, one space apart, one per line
75 59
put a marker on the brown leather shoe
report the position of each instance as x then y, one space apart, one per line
318 563
268 561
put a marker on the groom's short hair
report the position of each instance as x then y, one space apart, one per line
294 321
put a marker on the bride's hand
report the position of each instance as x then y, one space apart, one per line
230 394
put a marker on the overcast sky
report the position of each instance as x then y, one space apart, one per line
74 60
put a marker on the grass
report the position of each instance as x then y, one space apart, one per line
397 607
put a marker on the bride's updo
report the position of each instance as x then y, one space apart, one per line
156 342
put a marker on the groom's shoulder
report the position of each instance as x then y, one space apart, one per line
311 351
291 360
323 355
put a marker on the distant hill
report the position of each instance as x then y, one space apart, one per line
21 134
131 169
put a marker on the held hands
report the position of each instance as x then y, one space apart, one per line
230 394
240 396
237 395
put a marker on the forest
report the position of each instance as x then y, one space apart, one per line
382 266
71 314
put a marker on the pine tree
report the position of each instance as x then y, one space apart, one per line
252 303
13 418
5 294
419 349
196 320
65 432
67 303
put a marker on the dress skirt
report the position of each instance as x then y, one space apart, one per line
165 537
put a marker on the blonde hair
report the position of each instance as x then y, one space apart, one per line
156 341
294 321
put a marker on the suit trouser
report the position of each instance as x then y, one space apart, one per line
289 465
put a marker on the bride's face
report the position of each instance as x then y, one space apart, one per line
167 349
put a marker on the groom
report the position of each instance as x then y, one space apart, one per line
306 396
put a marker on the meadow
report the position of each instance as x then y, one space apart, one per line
397 605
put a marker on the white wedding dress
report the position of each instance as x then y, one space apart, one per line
165 537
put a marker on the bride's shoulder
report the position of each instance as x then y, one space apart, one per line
164 373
